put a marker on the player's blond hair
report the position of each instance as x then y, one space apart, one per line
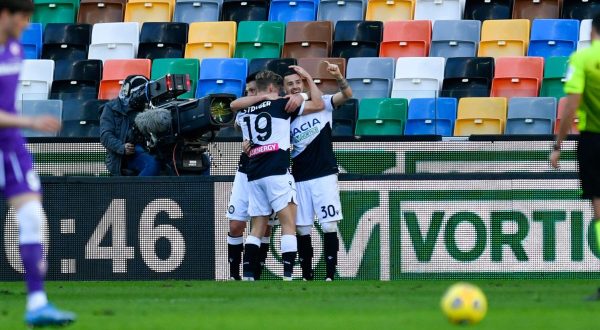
266 78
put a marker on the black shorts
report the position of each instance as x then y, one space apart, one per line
588 155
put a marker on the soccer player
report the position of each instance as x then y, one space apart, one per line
315 170
272 187
583 96
19 184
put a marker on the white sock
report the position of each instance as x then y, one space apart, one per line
253 240
36 300
266 240
289 243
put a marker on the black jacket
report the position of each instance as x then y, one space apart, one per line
114 128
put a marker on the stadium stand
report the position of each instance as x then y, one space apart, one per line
241 10
438 10
76 79
116 41
455 38
277 65
162 40
32 41
317 68
431 116
553 37
35 79
55 11
192 11
101 11
308 39
555 71
66 41
390 10
536 9
531 115
585 32
370 77
257 39
142 11
517 77
406 39
341 10
504 38
468 77
418 77
189 66
222 76
115 71
381 116
580 9
480 115
357 39
484 10
344 119
81 118
293 11
52 108
211 40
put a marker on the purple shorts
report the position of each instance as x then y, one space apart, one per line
17 176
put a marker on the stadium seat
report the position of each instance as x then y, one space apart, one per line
192 11
31 39
432 116
553 37
222 76
504 38
115 71
357 39
418 77
259 39
190 66
341 10
580 9
518 77
76 79
114 41
468 77
455 38
34 108
317 68
480 115
55 11
531 115
390 10
162 40
344 119
81 118
562 103
406 39
293 11
142 11
536 9
585 34
555 71
370 77
483 10
101 11
211 40
243 10
66 41
438 10
35 79
277 65
381 116
308 39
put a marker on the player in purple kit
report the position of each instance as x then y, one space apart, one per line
19 183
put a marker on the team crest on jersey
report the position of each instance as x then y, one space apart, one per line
306 130
231 209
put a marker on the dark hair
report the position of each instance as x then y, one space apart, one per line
251 77
16 6
266 78
289 73
596 23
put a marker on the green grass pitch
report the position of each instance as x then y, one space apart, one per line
513 305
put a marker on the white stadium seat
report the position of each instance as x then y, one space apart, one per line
114 41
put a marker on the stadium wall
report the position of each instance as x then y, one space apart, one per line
395 227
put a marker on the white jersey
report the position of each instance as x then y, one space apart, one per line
313 155
268 127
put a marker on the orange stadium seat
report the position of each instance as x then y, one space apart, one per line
480 115
406 39
504 38
317 68
115 71
211 40
142 11
390 10
308 39
518 77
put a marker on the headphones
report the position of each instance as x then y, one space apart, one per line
131 83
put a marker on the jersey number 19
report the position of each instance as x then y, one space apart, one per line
262 126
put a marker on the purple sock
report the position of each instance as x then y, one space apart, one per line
35 267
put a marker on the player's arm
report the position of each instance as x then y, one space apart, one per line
315 103
574 89
247 101
42 123
345 92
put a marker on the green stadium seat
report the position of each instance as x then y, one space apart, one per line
55 11
257 39
555 71
381 116
164 66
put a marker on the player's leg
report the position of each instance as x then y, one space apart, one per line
252 248
327 204
263 253
304 223
282 196
237 213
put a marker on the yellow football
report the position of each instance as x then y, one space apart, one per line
464 303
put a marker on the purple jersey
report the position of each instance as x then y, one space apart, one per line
10 65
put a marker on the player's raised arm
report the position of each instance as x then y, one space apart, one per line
246 101
345 92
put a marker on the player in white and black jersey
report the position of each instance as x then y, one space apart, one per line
271 186
314 168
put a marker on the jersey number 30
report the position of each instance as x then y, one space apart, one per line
262 126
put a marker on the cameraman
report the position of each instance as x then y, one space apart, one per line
125 157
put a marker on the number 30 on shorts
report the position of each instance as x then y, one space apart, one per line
329 211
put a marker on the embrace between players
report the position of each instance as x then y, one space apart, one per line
264 188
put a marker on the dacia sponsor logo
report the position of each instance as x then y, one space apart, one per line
306 130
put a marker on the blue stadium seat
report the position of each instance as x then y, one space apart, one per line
455 38
32 108
31 40
531 115
191 11
222 76
370 77
431 116
553 37
341 10
293 10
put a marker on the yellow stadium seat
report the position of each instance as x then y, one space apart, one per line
211 40
480 115
504 38
390 10
142 11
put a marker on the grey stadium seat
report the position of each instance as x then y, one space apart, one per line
370 77
190 11
531 115
33 108
341 10
455 39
